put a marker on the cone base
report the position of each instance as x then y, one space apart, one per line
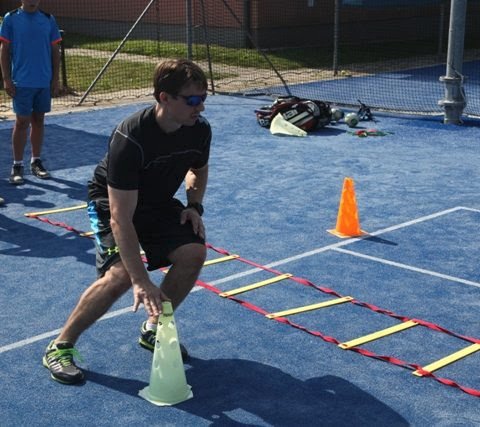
145 394
344 236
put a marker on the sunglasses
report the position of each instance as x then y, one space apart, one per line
193 100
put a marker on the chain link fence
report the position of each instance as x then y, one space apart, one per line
331 50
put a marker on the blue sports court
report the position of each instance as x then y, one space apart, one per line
270 202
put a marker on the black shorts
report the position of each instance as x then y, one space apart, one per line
158 228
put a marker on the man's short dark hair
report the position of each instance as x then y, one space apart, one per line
172 75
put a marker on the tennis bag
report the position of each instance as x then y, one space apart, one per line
305 114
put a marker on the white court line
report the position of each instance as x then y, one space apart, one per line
55 332
334 246
469 209
341 243
376 233
409 267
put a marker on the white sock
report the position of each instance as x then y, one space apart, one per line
18 162
151 326
33 159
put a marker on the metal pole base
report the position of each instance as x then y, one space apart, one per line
454 102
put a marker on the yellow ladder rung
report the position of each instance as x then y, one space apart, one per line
376 335
255 285
212 261
222 259
449 359
52 211
309 307
86 234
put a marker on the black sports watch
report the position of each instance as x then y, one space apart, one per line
197 206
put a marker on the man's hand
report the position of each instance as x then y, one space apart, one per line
55 88
191 214
9 87
150 296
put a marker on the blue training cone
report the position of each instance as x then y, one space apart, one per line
168 384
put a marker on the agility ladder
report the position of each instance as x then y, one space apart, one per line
282 316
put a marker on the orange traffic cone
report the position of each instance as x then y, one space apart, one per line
348 222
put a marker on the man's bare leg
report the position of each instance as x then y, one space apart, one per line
19 136
187 262
95 302
36 133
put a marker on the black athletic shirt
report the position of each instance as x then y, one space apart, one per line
141 156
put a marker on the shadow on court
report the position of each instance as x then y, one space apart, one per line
29 241
62 148
226 388
39 195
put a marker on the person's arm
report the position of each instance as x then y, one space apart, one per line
6 70
55 69
195 185
122 209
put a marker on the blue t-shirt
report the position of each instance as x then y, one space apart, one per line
31 36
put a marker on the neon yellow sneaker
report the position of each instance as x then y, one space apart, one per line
58 359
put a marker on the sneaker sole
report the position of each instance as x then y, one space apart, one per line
45 364
16 182
42 177
145 345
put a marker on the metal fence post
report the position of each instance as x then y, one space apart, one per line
455 100
63 62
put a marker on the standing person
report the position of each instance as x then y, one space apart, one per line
132 203
30 61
